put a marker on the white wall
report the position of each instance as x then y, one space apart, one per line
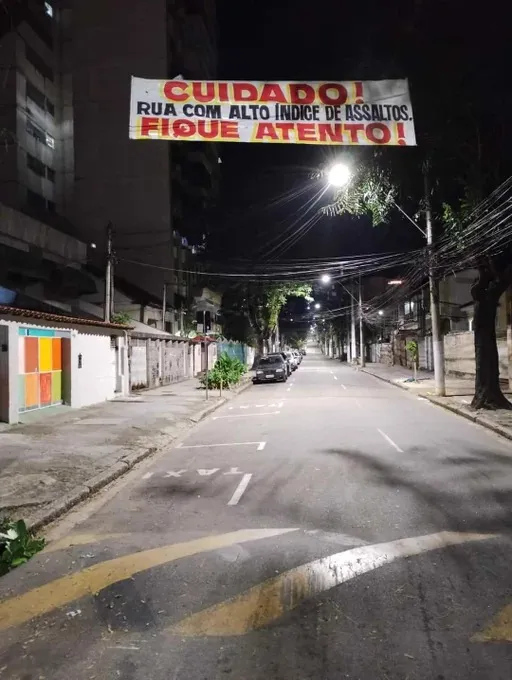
459 354
96 380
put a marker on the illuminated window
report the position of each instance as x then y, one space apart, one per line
48 8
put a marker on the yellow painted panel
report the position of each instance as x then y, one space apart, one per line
45 354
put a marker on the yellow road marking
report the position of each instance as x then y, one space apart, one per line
80 539
41 600
500 629
267 601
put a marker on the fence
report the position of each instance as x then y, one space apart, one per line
237 350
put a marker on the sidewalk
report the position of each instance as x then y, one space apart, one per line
459 393
54 461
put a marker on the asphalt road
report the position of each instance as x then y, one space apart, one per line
330 527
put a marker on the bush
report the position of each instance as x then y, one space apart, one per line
227 371
17 545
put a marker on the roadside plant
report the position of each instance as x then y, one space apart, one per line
17 545
226 372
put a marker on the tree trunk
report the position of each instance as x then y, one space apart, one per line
488 394
260 345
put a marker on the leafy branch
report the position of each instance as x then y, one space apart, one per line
370 191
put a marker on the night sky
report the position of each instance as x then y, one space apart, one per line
433 43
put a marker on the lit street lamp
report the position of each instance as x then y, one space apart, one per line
318 305
325 278
338 175
381 313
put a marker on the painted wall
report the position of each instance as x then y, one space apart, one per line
103 361
93 369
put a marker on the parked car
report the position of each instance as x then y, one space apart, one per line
293 360
271 368
303 352
288 362
298 356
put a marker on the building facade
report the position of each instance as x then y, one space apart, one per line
67 160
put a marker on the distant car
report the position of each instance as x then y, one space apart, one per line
298 356
293 360
303 352
271 368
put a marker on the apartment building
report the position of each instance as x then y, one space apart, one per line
36 125
67 160
157 195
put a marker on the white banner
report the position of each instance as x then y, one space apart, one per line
374 112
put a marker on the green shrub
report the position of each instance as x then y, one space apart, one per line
17 545
227 371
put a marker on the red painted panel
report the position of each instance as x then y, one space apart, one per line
45 389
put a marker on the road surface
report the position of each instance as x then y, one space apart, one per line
330 527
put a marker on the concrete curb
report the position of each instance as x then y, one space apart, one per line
474 417
58 508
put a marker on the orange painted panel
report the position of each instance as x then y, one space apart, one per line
31 390
45 354
45 388
31 355
56 354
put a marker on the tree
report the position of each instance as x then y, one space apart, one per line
494 278
263 302
297 339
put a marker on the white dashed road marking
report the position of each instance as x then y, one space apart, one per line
390 441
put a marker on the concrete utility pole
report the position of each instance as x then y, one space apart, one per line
361 330
109 276
437 338
353 343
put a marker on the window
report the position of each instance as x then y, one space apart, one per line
36 96
410 307
36 132
48 9
35 200
39 99
37 166
50 174
50 141
38 62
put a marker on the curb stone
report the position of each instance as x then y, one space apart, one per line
464 413
79 493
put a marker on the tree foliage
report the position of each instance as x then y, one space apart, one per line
260 303
371 191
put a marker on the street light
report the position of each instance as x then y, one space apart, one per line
338 175
318 305
325 278
381 313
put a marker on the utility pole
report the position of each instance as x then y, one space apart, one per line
361 330
164 305
437 338
109 276
353 344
